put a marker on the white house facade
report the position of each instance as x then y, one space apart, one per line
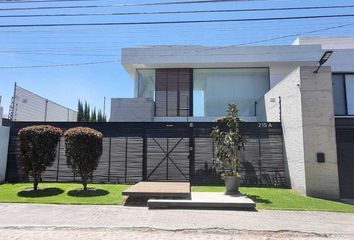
269 84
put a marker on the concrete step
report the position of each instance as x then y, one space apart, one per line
174 190
211 200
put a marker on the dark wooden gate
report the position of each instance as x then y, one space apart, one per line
167 154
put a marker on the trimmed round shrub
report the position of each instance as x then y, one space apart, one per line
38 147
83 147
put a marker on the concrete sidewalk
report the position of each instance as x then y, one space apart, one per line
42 216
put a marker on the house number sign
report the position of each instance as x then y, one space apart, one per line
265 125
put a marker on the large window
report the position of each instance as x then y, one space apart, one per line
145 85
343 94
214 89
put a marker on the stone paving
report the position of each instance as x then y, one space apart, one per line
108 221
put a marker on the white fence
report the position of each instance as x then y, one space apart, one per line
28 106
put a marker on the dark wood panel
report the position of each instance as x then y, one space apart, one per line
173 92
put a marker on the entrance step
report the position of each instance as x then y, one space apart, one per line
210 200
175 190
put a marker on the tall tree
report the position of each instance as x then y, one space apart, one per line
86 117
80 111
99 116
93 117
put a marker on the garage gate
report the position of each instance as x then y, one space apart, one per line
345 154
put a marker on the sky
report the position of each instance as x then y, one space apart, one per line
37 47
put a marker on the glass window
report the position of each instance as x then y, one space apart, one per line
214 89
145 87
349 84
339 94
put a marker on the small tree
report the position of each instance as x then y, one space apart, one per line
83 147
38 147
228 141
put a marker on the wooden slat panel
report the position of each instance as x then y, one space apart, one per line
260 164
173 92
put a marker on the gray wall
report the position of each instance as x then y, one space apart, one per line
4 141
132 110
308 128
319 132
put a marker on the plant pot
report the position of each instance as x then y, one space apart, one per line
232 183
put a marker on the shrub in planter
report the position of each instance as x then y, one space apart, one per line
38 147
83 147
228 141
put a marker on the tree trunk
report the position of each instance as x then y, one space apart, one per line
84 183
35 184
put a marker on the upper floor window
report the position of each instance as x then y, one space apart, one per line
145 84
214 89
343 94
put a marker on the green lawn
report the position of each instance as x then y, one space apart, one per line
286 199
63 193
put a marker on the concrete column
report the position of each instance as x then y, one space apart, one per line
319 132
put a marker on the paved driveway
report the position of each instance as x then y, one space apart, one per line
109 222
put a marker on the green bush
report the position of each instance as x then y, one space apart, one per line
83 147
38 147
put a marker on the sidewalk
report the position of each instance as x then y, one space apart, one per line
29 217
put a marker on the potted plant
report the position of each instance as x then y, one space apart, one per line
228 141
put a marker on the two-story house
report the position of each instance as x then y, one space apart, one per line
275 83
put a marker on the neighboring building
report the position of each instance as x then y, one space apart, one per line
4 141
269 84
28 106
1 112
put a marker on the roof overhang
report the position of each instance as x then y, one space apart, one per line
219 57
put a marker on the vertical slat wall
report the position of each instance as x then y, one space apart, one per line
173 88
261 163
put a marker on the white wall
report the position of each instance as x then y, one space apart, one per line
31 107
343 50
327 42
278 73
1 114
292 125
308 128
4 141
214 57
